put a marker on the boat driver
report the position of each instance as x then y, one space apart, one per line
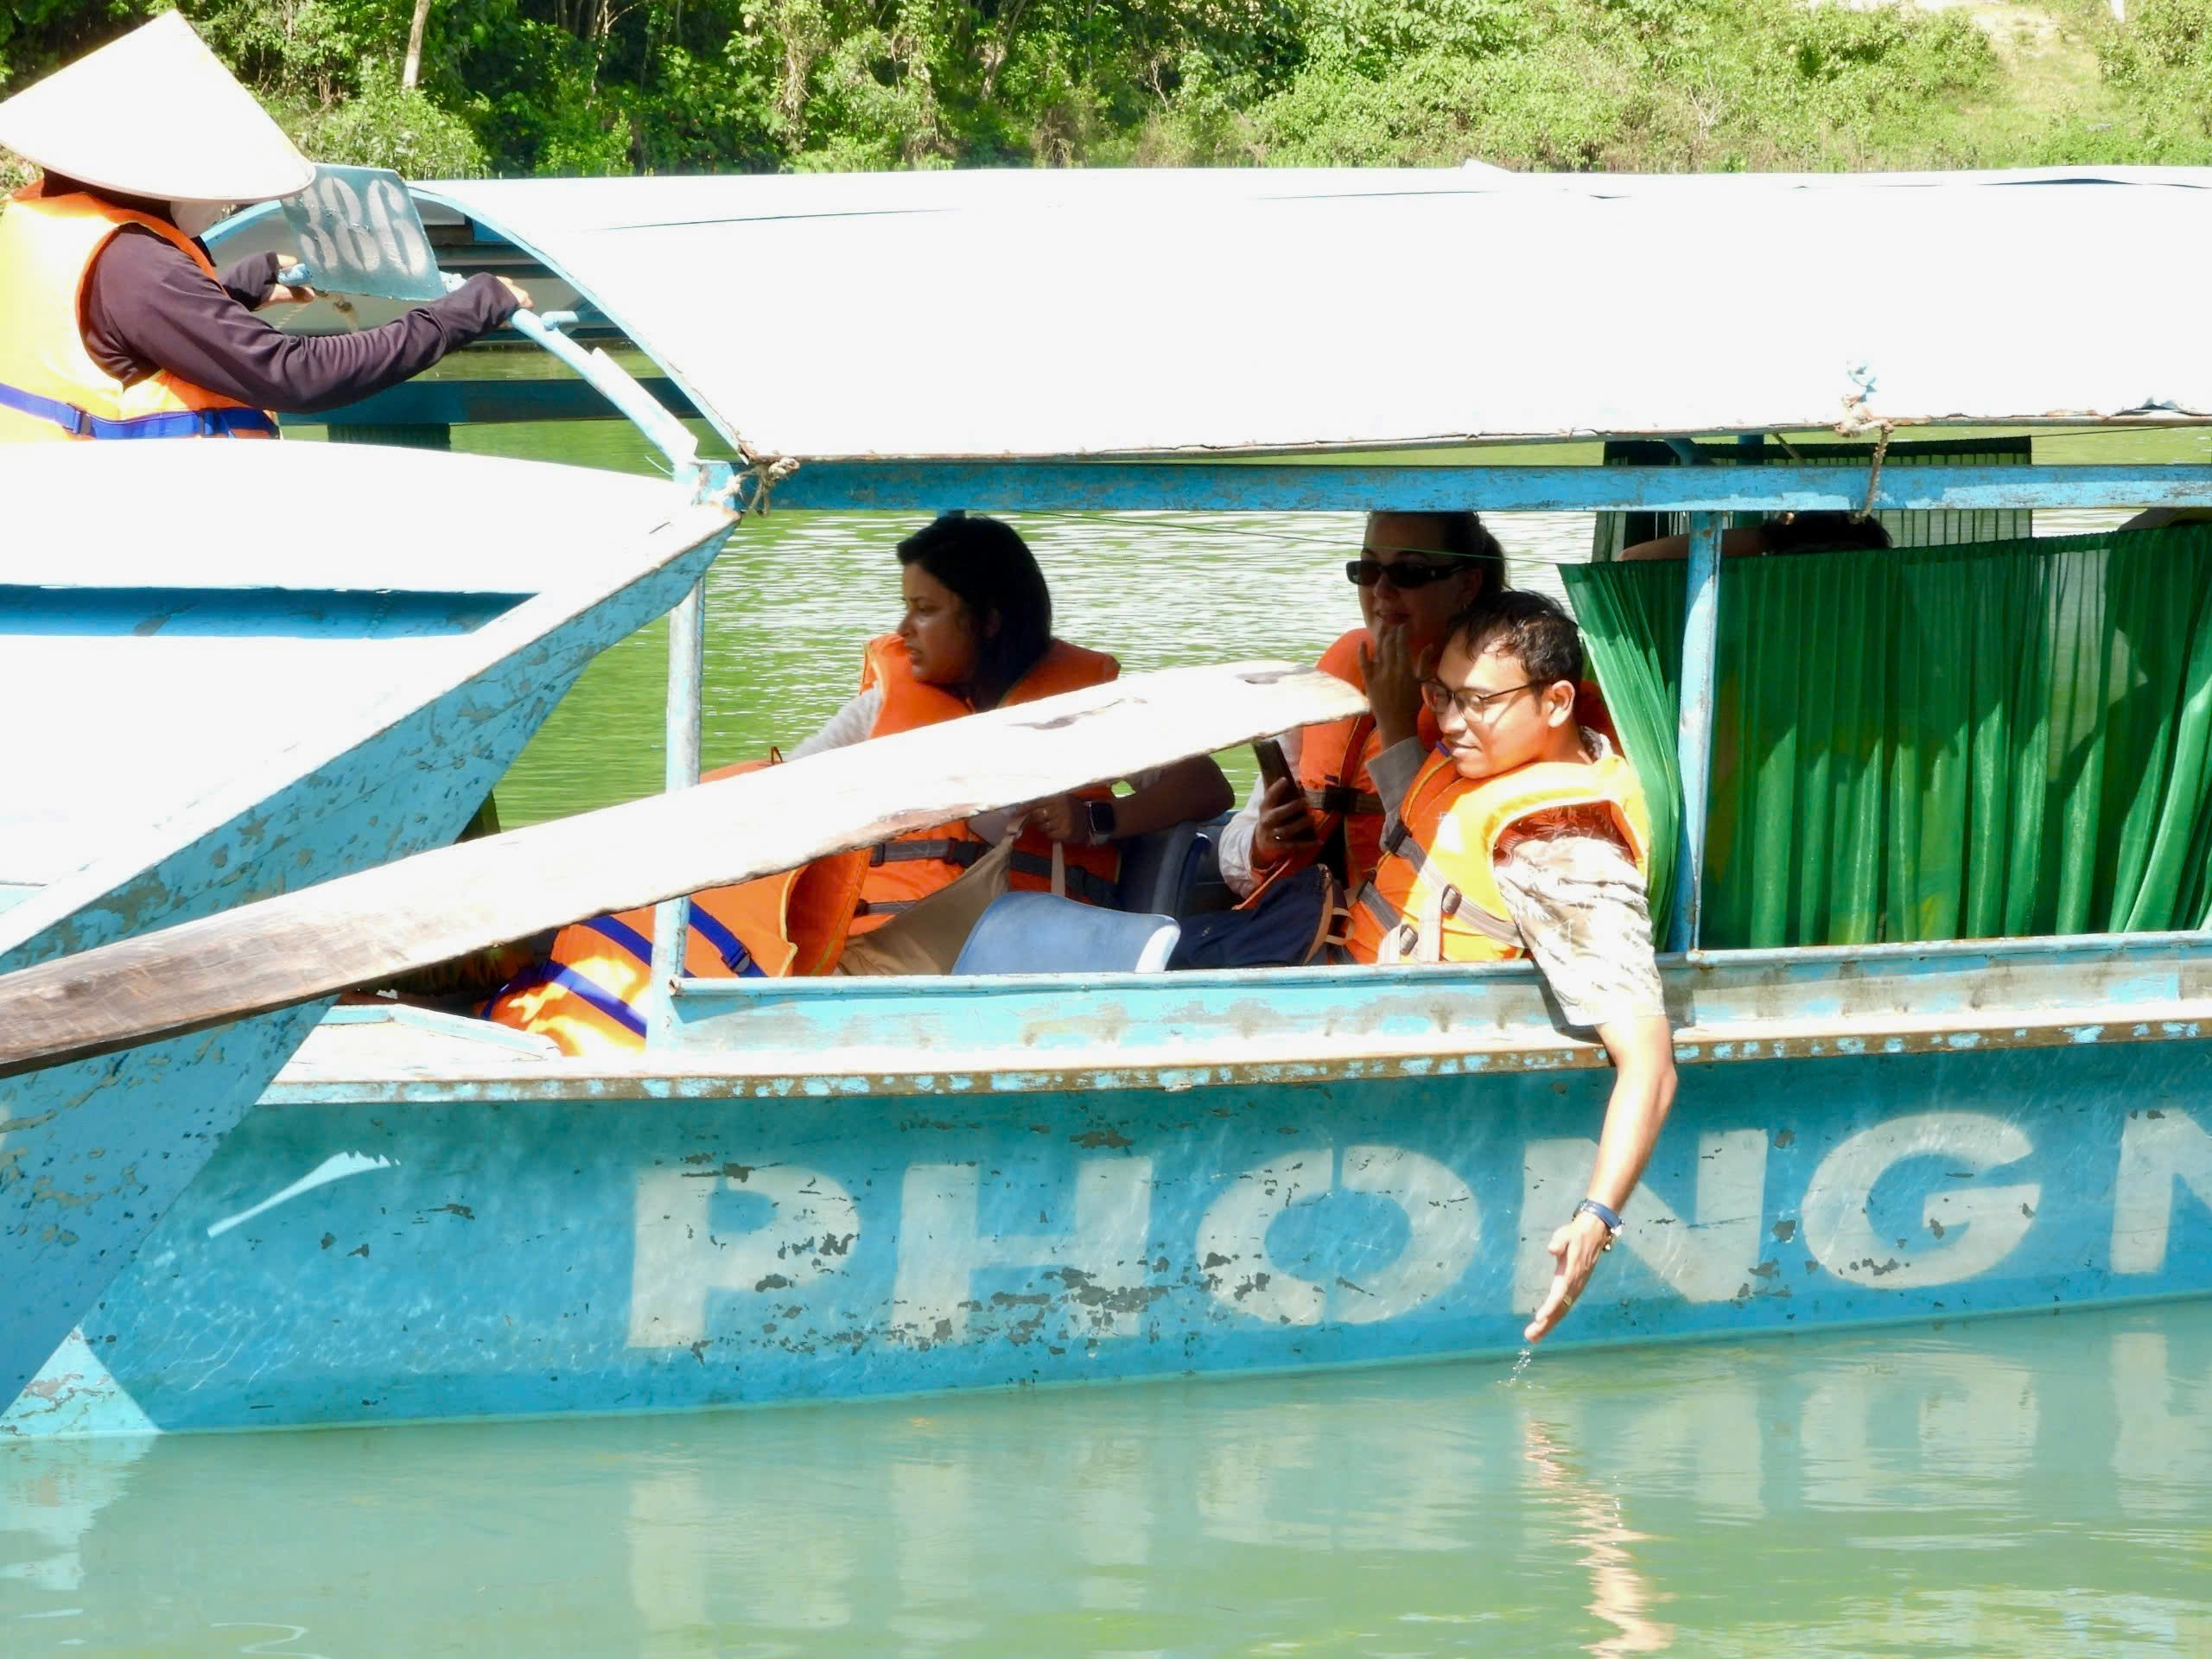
118 324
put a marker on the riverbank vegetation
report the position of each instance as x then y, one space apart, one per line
579 87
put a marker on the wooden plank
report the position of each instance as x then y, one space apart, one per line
427 909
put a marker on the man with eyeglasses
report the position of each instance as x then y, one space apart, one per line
1522 833
1415 571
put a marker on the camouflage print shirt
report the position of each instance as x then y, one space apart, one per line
1580 902
1577 897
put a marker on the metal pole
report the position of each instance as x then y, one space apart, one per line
687 667
1694 732
687 623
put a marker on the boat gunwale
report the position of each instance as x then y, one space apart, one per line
677 1075
1307 1053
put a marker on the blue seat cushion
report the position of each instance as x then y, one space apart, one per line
1036 934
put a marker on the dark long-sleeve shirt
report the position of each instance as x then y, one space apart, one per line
148 308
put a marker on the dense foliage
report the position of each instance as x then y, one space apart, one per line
567 86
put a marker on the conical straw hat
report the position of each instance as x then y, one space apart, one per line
154 114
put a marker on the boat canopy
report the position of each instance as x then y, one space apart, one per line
1033 315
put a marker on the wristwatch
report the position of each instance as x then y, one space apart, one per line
1608 1218
1101 821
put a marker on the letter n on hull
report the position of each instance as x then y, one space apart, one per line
2158 1151
1710 1257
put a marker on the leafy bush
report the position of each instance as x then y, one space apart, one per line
383 125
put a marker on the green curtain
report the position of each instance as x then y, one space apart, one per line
1631 617
1959 742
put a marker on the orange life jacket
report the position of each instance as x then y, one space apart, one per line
1332 770
1435 897
1332 762
50 387
913 866
589 995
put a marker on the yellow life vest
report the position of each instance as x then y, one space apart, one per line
1435 894
912 866
1333 762
50 388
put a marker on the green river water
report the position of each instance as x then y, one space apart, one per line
2026 1486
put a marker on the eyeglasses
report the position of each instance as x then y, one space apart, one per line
1472 705
1405 575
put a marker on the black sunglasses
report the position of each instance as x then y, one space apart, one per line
1405 575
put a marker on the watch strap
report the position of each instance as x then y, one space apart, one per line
1609 1218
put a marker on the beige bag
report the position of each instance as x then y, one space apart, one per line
927 938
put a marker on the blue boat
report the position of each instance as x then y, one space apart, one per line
834 1189
214 708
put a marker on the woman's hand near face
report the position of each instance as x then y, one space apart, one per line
1393 685
1285 826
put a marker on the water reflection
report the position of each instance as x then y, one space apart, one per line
1904 1492
1620 1594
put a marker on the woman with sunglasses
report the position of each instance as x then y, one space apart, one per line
1414 572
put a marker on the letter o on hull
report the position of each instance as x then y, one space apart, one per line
1443 1223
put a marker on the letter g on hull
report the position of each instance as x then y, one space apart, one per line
1840 1234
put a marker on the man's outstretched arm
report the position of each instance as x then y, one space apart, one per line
1579 902
1643 1049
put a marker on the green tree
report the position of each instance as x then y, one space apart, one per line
563 86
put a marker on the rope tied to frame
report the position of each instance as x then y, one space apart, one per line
1857 422
765 471
1865 508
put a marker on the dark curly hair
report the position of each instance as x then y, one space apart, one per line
991 571
1533 629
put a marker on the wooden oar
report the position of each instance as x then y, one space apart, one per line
365 929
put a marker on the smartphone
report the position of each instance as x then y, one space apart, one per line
1274 765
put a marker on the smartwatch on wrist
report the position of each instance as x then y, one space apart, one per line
1101 821
1608 1219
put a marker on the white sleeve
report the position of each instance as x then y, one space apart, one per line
1392 773
1234 852
850 725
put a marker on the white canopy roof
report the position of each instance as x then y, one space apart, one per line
1036 313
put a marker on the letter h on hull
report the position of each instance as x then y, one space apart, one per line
1099 1262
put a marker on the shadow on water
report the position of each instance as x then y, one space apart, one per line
2032 1485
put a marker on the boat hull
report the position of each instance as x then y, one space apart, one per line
93 1151
381 1259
